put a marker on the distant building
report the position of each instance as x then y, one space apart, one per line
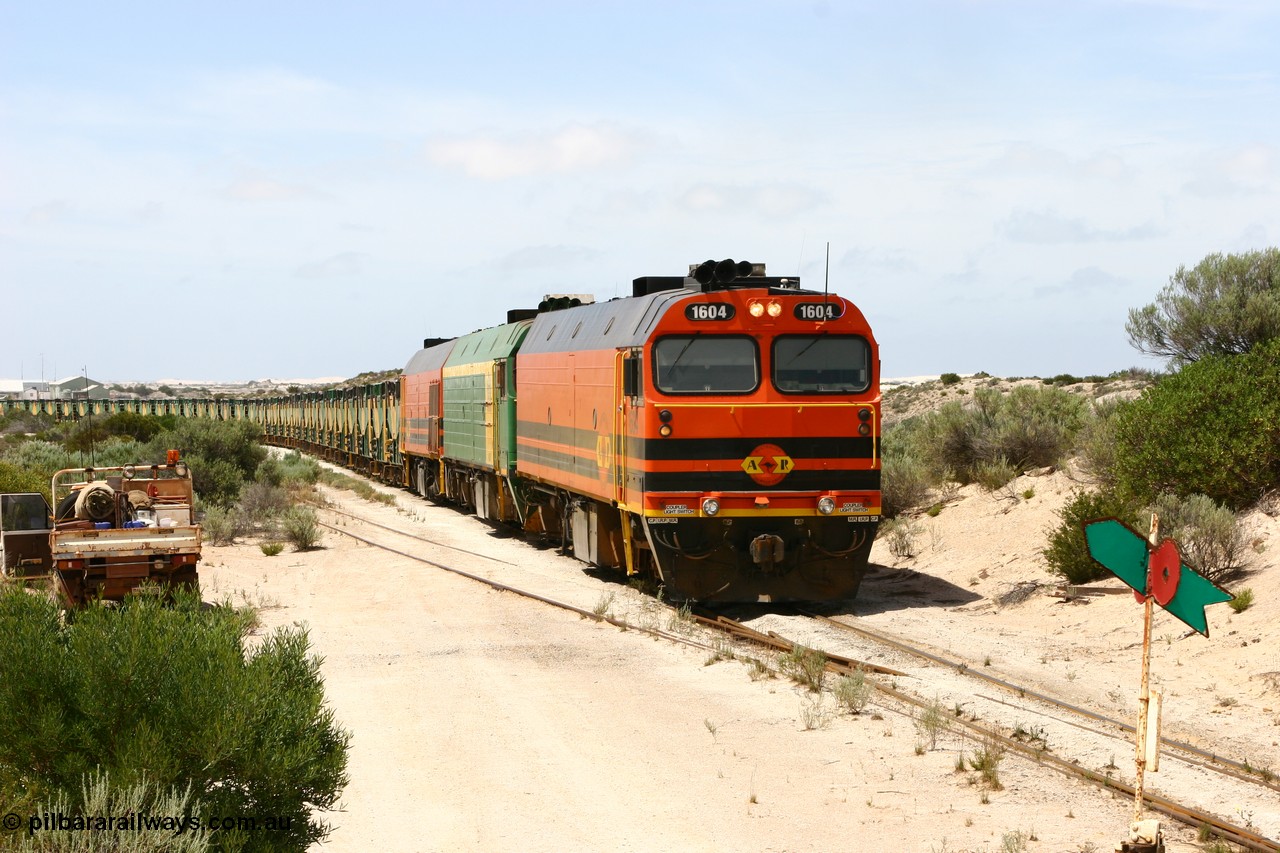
72 388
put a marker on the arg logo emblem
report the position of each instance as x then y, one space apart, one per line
768 464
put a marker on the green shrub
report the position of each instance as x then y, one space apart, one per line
98 796
14 478
217 481
1029 427
272 549
1067 553
287 471
362 489
260 504
1208 535
805 666
169 696
1096 442
301 528
297 468
1243 600
993 474
949 378
853 691
1213 429
901 535
904 483
220 525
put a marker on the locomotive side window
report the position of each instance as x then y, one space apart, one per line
821 364
706 364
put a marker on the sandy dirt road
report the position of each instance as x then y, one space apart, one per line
484 721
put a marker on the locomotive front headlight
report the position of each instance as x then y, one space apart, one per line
864 429
710 506
826 505
664 430
756 309
775 309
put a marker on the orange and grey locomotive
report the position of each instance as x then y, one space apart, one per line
719 431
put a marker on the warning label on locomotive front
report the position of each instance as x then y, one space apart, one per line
677 509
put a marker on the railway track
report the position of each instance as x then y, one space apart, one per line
1189 753
837 663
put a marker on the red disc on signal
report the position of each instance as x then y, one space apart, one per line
1164 572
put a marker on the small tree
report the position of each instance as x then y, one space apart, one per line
1066 552
1212 428
1224 305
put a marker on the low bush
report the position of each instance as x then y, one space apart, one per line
99 796
221 525
805 666
288 471
1067 553
949 378
1208 535
301 528
171 696
1243 600
1096 443
993 474
1029 427
260 504
904 483
853 692
902 537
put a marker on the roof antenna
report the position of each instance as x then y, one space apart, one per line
826 280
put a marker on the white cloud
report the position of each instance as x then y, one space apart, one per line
547 257
1048 226
342 265
769 200
571 149
1243 171
1083 280
266 189
49 213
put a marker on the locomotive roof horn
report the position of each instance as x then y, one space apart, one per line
710 273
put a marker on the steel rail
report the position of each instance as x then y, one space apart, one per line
523 593
1196 756
773 640
406 533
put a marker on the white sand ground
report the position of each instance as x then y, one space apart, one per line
484 721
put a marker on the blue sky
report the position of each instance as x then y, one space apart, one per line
301 190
